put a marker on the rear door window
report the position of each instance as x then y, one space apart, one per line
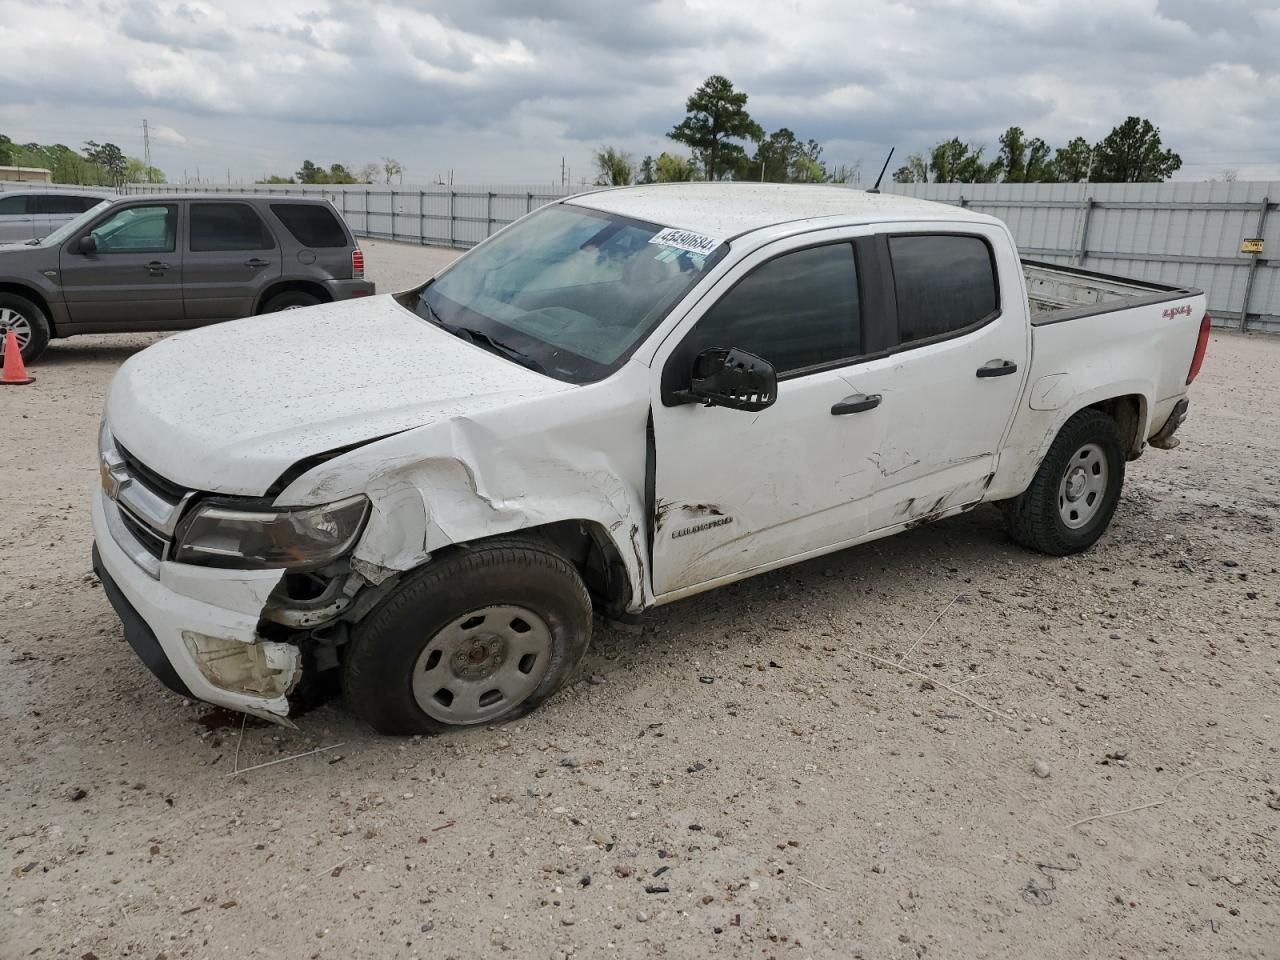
312 224
796 311
228 226
64 205
944 284
16 204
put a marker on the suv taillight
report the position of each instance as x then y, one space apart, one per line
357 264
1202 344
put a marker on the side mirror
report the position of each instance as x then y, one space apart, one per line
87 245
733 378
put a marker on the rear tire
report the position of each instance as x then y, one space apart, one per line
290 300
28 323
484 635
1075 491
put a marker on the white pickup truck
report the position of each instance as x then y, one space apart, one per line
622 399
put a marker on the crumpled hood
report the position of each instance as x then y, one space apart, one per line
229 408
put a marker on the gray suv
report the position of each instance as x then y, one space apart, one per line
170 262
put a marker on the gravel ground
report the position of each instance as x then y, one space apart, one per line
736 779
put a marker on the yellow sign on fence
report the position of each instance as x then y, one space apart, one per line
1252 245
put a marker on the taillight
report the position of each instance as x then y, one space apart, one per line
1201 345
357 266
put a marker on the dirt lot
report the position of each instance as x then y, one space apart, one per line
735 780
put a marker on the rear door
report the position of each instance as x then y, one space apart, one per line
52 210
231 256
953 378
133 280
17 219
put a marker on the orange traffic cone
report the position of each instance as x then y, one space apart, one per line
15 372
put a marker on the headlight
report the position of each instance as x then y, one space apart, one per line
216 535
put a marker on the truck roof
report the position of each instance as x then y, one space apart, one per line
727 210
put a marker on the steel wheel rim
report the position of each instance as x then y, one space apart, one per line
483 664
11 319
1083 486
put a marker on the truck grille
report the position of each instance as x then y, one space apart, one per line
145 506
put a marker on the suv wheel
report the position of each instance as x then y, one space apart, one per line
28 323
290 300
483 635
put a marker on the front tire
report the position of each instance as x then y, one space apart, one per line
1075 491
28 323
484 635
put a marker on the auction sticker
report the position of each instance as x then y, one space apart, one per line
685 240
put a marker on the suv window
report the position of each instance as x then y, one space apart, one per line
799 310
14 204
64 204
139 230
312 224
943 284
228 226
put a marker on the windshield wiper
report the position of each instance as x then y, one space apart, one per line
481 339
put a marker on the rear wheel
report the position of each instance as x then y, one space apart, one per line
1075 491
28 323
483 635
290 300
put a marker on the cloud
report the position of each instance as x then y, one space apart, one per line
509 87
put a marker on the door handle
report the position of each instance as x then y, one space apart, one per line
997 368
157 266
856 403
256 262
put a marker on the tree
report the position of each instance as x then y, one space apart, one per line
646 174
138 172
781 158
110 157
340 174
717 116
953 161
673 168
613 167
1132 153
1072 163
310 173
846 173
1022 160
369 173
276 178
915 170
393 168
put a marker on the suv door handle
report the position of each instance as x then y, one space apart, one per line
157 266
997 368
256 262
856 403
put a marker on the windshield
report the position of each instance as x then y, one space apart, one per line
569 291
71 226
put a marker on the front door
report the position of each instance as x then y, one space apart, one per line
133 279
736 491
231 257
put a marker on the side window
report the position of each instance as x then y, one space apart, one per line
228 226
64 204
139 230
312 224
15 204
796 311
943 284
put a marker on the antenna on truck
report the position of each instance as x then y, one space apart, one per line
876 188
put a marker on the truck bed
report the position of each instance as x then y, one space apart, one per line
1056 293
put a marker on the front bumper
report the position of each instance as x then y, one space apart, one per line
187 611
349 289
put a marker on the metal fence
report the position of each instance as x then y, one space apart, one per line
1188 234
453 216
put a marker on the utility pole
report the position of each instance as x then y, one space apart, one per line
562 173
146 148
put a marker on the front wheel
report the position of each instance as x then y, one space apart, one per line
1075 492
483 635
29 325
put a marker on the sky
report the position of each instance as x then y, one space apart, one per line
500 92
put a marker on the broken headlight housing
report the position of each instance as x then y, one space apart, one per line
299 538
